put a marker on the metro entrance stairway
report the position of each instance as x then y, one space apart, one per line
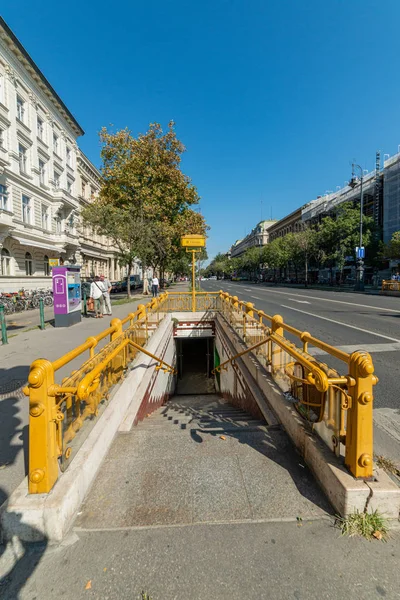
198 459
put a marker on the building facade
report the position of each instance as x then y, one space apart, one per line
259 236
290 224
44 178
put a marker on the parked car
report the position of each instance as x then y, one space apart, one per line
116 286
213 277
136 283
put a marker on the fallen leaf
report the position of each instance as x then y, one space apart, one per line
222 437
105 569
4 465
378 535
88 586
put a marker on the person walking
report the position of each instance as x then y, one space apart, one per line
154 286
97 289
106 295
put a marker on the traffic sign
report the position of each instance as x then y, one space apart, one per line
360 252
193 241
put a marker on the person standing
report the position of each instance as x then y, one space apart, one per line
154 286
106 295
97 289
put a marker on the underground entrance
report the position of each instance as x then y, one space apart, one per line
195 364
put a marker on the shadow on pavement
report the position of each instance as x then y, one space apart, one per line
18 559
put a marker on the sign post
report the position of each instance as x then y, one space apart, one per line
193 243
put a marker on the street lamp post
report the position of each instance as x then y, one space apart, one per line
359 286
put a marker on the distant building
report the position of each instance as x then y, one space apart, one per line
290 224
259 236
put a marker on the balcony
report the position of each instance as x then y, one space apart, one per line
6 220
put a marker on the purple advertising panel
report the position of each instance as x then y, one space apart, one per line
66 289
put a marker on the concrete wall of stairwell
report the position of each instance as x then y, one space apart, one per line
233 385
160 386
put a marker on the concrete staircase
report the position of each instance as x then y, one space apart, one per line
196 460
208 413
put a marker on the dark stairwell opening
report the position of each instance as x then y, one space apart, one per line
195 365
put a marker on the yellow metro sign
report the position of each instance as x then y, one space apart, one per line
193 241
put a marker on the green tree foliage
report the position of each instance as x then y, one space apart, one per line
392 249
338 234
145 201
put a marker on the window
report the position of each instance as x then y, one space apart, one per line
68 153
20 108
42 171
5 262
45 217
58 225
1 138
56 180
69 186
26 209
22 158
56 144
46 266
28 263
40 128
2 95
3 198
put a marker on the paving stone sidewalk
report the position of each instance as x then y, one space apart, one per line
15 360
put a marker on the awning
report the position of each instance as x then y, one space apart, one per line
37 244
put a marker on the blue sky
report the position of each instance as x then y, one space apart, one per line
273 99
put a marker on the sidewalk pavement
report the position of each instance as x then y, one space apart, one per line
15 360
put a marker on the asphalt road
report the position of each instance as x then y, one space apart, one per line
351 321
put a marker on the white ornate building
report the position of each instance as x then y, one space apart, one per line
44 179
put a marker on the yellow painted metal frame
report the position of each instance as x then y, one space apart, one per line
264 334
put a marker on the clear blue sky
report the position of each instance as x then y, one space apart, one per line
273 99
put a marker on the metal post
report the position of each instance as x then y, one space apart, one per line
41 312
43 415
193 280
3 323
359 286
84 304
359 434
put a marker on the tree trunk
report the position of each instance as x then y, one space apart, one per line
128 281
145 280
306 275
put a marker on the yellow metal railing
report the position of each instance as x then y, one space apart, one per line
59 411
391 285
338 406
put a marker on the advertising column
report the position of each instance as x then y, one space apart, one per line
67 295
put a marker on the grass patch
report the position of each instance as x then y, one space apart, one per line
387 465
367 525
144 596
124 301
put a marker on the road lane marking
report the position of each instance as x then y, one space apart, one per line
255 297
385 337
330 300
247 290
299 301
374 348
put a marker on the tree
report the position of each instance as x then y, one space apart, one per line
145 199
392 249
303 246
338 235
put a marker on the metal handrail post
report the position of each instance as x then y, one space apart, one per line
4 337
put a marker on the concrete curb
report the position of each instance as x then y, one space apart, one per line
36 517
345 493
